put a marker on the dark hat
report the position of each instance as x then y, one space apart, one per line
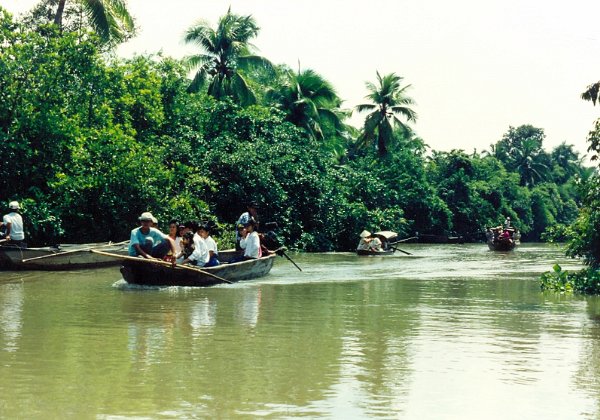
250 221
206 227
253 204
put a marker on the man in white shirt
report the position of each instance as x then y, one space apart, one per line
15 234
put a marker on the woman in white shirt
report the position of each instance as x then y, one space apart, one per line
250 241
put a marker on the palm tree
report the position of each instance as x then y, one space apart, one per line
388 99
110 19
528 160
224 52
309 101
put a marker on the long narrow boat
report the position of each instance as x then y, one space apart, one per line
157 273
63 257
497 242
365 252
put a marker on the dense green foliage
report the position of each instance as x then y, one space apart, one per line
88 142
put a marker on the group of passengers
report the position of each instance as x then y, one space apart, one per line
191 242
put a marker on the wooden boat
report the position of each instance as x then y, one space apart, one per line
63 257
158 273
375 253
502 239
386 237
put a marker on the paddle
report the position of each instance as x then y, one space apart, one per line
3 240
72 251
281 251
398 249
160 262
404 240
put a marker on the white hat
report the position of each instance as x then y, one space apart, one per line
14 205
154 220
146 216
365 234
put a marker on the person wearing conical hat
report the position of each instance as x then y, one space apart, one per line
365 237
369 242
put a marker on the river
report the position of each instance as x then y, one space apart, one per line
451 332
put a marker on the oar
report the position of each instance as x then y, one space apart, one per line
281 251
398 249
3 240
72 251
404 240
159 262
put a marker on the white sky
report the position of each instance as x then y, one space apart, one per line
476 66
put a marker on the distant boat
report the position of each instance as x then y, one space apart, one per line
63 257
147 272
503 239
386 237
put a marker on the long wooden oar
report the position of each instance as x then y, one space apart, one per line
57 254
398 249
160 262
404 240
281 251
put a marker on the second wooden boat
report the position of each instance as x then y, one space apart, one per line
63 257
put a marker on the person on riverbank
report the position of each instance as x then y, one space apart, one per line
13 222
250 213
148 242
211 245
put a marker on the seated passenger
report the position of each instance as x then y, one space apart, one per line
200 256
363 244
149 242
249 242
187 246
369 242
211 245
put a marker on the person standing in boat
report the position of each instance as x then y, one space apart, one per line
211 245
251 213
15 234
149 242
200 256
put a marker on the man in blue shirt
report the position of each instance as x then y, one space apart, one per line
149 242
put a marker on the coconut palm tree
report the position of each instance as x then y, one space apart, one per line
389 100
529 162
225 54
110 19
309 101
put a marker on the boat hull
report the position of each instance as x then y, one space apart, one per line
65 257
366 252
502 245
142 273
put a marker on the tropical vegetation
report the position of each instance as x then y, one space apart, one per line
88 141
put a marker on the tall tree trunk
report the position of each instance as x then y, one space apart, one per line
59 13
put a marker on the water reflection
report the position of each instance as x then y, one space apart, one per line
11 320
203 316
455 332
